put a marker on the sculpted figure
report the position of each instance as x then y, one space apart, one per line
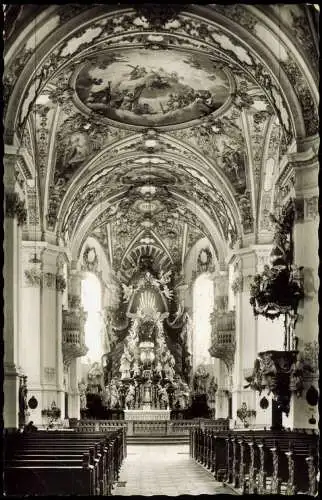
163 397
130 397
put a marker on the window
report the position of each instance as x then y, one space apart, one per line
203 303
91 300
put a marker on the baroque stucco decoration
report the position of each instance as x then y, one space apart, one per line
197 110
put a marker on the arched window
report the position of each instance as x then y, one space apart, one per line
91 300
203 303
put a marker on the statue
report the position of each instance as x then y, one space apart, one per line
200 380
163 397
168 370
213 386
82 395
23 400
125 364
130 397
107 396
114 394
158 369
136 369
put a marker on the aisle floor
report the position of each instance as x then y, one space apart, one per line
164 470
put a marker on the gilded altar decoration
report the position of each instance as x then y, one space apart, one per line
279 288
145 374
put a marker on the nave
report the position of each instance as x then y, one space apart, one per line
165 470
161 245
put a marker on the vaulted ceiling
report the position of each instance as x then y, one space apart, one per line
155 128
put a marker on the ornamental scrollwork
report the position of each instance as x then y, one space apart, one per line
16 208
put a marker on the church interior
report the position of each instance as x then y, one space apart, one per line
161 249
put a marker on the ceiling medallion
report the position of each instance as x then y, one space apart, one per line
145 88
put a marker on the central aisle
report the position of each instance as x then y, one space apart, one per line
164 470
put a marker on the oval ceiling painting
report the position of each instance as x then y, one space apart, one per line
152 88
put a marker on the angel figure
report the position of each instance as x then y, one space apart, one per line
130 397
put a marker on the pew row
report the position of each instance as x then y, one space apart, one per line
262 462
59 463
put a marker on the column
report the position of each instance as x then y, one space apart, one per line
305 168
246 332
51 328
30 311
223 361
41 316
75 308
15 216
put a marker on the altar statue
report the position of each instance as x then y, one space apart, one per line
130 397
163 397
136 369
168 370
114 398
125 364
200 380
82 395
158 369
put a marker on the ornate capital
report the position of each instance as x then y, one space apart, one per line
15 208
33 277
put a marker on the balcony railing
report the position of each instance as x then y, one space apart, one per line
73 334
223 343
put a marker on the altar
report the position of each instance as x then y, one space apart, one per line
143 415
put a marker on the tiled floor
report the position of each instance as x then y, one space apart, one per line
164 470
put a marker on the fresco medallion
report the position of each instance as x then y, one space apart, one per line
148 88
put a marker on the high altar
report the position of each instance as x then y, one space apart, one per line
143 377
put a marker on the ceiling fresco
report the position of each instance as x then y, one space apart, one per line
152 88
152 126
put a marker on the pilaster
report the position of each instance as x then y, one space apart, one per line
43 284
14 218
74 339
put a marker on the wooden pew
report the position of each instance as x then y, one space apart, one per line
263 462
46 456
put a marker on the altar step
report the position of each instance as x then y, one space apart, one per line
151 439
